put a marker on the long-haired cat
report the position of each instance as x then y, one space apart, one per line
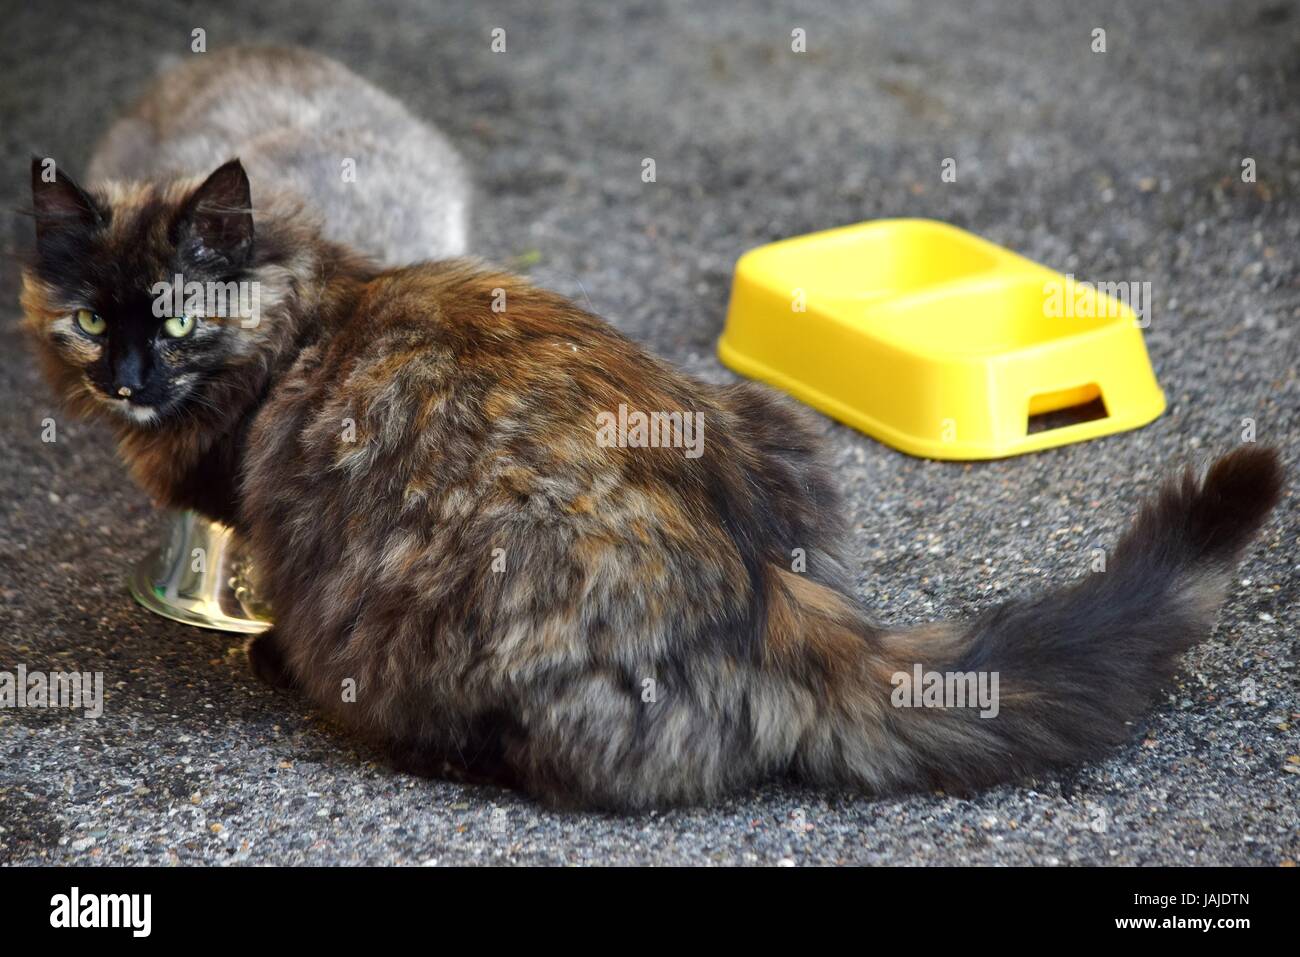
463 570
307 129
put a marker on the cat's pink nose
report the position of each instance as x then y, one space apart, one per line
124 391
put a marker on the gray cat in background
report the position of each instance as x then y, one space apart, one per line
383 181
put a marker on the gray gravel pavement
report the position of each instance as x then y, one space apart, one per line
1117 165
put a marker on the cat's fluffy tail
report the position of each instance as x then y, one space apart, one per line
1072 667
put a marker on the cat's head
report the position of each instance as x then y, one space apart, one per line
141 296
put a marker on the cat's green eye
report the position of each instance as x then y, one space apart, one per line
178 327
91 323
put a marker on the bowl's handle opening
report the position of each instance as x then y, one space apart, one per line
1057 410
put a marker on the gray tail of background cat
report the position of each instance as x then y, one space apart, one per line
1073 667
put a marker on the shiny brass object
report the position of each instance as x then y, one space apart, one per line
202 576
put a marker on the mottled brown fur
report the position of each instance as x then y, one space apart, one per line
437 527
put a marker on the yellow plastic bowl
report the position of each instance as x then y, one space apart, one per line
937 342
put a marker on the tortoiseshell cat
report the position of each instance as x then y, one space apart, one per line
437 526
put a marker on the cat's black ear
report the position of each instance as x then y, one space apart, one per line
59 203
216 223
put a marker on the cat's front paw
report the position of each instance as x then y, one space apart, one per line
267 661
